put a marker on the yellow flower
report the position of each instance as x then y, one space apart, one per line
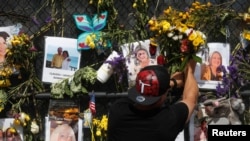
98 132
197 42
134 5
27 117
181 14
165 25
17 122
192 36
91 45
184 16
209 4
12 130
99 2
246 35
5 83
151 22
167 11
15 42
100 126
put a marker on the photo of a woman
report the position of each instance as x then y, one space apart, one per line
66 60
139 60
11 134
143 58
3 45
138 55
1 135
211 71
214 62
63 132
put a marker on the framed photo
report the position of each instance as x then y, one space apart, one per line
6 124
208 73
61 58
137 56
57 130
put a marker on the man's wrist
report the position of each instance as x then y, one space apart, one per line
174 83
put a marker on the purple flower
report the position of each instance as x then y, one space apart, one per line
48 19
33 49
118 64
34 19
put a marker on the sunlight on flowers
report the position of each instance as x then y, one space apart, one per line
99 128
181 34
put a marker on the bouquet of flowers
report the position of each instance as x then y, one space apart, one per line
181 34
177 38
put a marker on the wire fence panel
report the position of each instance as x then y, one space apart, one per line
41 18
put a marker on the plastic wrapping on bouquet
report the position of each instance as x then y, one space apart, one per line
106 70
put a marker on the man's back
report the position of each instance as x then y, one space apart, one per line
128 123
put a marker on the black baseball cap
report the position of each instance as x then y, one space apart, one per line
151 83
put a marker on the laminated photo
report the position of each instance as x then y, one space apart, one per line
137 56
61 59
208 73
57 130
6 130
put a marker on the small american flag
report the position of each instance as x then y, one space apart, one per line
92 103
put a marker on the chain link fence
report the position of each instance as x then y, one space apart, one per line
55 17
41 18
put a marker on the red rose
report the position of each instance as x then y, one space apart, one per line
160 60
152 49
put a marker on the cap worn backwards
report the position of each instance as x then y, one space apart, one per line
151 83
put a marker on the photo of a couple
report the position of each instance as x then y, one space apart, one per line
61 59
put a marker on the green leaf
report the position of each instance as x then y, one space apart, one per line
84 90
197 58
75 88
184 62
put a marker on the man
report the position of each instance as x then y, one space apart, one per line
57 59
144 116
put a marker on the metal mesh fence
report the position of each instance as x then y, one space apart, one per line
41 18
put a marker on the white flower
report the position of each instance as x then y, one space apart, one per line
175 38
188 31
180 37
34 128
202 35
170 34
22 117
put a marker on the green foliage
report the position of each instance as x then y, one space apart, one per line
76 85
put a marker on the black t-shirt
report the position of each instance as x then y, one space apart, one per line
129 124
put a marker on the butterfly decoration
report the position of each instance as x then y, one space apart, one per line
92 37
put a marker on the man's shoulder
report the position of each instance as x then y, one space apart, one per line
120 107
180 107
122 101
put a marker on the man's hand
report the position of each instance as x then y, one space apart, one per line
178 76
